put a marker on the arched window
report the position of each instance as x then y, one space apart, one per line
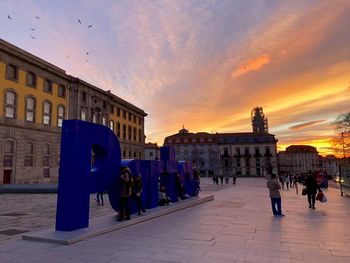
30 109
60 115
29 153
104 120
10 104
83 114
94 117
47 111
9 153
46 159
111 125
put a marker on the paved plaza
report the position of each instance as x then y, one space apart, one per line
237 226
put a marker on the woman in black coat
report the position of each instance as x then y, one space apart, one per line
311 188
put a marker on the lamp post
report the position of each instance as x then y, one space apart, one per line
340 171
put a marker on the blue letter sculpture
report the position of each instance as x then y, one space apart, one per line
79 176
76 181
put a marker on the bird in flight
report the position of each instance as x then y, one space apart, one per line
8 16
79 21
37 17
33 29
32 37
87 53
89 26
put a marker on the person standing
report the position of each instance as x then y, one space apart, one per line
136 192
311 189
125 192
274 187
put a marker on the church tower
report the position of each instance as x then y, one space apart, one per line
259 122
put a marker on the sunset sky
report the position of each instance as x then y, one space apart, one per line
203 64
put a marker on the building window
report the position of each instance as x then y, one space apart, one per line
129 154
124 131
12 72
140 135
104 104
61 91
130 116
46 160
124 154
112 109
47 110
83 114
47 86
118 112
31 79
9 152
83 97
111 125
150 154
135 119
129 133
135 134
29 153
104 121
135 155
118 129
30 109
140 121
94 118
10 104
60 115
124 114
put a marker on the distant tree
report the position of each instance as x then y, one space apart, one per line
341 141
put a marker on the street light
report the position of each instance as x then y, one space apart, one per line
340 171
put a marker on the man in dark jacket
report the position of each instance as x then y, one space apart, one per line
125 192
274 186
311 189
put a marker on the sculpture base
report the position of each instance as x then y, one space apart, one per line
105 224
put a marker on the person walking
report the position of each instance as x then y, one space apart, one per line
274 187
311 189
287 181
99 198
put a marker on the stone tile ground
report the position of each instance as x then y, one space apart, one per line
237 226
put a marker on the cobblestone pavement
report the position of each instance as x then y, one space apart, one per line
237 226
28 212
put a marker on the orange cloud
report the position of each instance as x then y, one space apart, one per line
251 65
304 125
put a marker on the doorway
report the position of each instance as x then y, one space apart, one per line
7 176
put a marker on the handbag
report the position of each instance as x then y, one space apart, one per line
304 192
319 196
324 199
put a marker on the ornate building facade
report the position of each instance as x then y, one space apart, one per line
242 154
35 98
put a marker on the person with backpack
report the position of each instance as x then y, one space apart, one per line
125 193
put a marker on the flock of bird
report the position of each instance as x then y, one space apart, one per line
80 22
34 29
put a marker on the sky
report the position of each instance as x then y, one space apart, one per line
201 64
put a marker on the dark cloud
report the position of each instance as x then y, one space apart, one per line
305 124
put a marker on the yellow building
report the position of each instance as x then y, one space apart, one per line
35 97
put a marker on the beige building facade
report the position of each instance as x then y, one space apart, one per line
35 98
